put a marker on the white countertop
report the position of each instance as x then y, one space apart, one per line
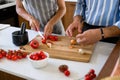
23 68
71 0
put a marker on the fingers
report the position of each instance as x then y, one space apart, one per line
79 29
48 30
34 25
47 33
37 26
81 39
69 32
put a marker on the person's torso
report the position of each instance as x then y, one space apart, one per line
102 12
42 10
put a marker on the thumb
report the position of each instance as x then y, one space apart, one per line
80 28
80 38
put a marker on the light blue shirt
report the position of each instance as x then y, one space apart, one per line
99 12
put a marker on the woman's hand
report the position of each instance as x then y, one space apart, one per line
34 23
48 29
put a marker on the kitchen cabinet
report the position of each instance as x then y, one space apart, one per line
20 19
6 76
68 17
8 15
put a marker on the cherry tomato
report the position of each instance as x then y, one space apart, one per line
34 44
53 38
14 57
56 38
67 72
44 41
8 56
88 78
92 71
1 56
4 53
38 56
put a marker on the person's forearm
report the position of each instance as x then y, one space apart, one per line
77 18
24 14
111 31
59 14
21 10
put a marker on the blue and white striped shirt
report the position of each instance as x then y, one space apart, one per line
99 12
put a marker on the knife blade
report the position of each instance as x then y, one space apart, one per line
41 34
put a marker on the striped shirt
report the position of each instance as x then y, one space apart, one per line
99 12
44 10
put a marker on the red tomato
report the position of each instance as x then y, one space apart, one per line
92 71
1 56
20 57
56 38
4 53
24 55
38 56
43 56
14 57
44 41
53 38
34 44
8 56
88 78
67 72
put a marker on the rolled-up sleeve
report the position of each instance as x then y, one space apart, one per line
117 24
80 8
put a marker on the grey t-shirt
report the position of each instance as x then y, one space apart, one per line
44 10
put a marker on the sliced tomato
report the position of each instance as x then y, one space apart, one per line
44 41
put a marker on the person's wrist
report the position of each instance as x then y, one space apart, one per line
77 19
102 33
30 18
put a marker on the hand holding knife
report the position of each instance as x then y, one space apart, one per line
41 34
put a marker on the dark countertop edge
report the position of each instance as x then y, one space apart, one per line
110 63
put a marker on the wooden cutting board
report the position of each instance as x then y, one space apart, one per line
61 49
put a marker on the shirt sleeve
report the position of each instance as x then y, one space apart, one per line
80 8
117 24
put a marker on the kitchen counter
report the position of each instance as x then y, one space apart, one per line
22 68
71 0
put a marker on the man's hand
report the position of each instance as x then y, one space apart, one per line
73 26
89 37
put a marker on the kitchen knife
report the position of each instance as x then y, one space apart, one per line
41 34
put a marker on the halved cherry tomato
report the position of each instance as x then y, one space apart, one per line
53 38
34 44
44 41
